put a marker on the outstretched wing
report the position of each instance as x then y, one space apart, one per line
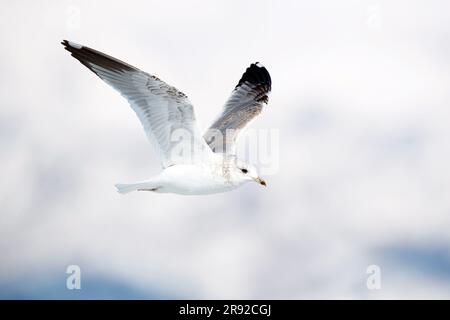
165 113
245 103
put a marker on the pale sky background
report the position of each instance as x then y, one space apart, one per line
361 102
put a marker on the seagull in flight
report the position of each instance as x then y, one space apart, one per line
192 163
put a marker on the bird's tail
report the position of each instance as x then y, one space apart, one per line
138 186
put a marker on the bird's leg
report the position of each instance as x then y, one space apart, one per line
154 189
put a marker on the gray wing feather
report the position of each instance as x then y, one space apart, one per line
162 109
245 103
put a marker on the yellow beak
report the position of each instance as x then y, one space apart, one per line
261 181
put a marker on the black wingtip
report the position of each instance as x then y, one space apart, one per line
71 46
256 74
257 77
65 43
90 57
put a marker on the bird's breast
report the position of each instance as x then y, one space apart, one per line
195 179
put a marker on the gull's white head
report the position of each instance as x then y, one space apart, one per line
244 172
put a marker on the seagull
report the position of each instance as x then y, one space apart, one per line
192 163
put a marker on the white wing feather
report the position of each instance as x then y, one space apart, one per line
165 113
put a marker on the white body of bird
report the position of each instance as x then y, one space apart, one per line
188 179
206 164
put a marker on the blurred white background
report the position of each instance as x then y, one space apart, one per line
361 101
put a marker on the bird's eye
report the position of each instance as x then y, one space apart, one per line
244 170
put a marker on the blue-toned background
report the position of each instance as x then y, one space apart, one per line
361 101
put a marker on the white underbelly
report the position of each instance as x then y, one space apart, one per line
191 180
